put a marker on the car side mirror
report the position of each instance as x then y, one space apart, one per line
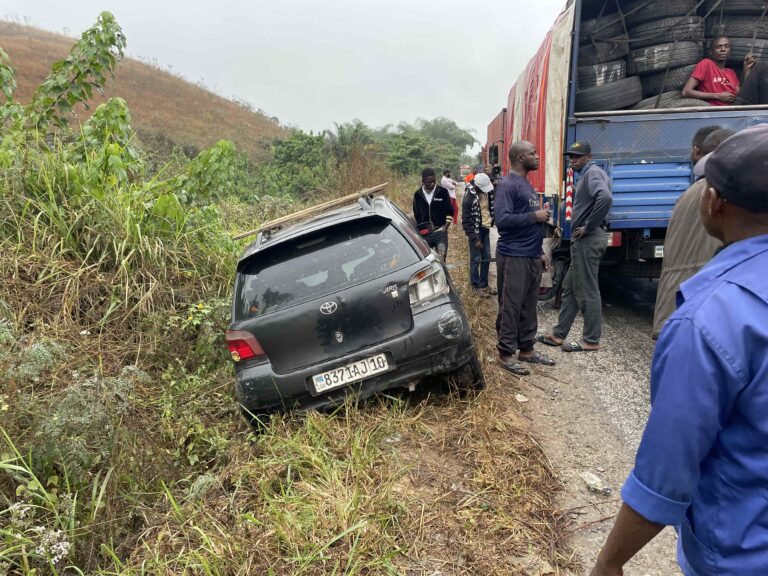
493 155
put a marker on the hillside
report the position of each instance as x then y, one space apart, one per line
166 110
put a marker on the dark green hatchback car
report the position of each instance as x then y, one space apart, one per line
346 302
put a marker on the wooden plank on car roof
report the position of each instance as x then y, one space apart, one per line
311 211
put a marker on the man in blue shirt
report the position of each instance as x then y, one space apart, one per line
519 261
703 462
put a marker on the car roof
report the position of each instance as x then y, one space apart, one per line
376 207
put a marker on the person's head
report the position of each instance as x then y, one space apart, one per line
475 170
579 155
487 169
483 182
428 179
735 204
715 139
698 140
720 49
523 157
447 173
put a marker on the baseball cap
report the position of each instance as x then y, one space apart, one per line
738 169
483 182
581 148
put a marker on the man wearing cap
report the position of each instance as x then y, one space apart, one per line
687 246
519 261
581 292
477 215
702 464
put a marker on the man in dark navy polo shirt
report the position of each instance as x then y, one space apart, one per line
519 261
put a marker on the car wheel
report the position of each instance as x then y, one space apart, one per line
613 96
662 56
642 11
468 378
667 29
736 27
259 422
734 7
601 52
600 74
657 101
675 79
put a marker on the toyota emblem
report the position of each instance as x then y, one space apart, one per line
328 307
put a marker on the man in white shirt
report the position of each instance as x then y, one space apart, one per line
450 184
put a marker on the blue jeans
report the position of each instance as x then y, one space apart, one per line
480 260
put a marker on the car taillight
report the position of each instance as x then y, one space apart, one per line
427 284
243 345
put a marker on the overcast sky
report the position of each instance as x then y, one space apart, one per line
312 63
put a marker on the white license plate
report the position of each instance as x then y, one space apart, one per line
350 373
658 252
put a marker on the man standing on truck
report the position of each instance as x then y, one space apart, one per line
581 292
519 260
433 212
711 80
687 246
701 465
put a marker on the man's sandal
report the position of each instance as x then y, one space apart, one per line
577 347
515 368
537 358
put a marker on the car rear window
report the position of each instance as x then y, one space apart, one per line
318 264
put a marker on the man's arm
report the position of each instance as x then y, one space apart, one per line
690 91
466 217
599 189
630 534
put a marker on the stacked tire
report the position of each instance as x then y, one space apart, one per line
601 81
642 57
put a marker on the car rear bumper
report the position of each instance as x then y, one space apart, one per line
438 342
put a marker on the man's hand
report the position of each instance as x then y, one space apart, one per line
749 62
542 215
544 262
579 232
478 243
600 570
727 97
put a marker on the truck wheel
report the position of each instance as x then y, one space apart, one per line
674 80
468 378
740 47
734 7
662 56
599 74
642 11
656 101
736 26
684 103
601 52
613 96
601 29
667 29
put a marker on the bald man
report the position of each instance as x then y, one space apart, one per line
519 261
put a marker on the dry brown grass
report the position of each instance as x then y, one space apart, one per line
163 106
